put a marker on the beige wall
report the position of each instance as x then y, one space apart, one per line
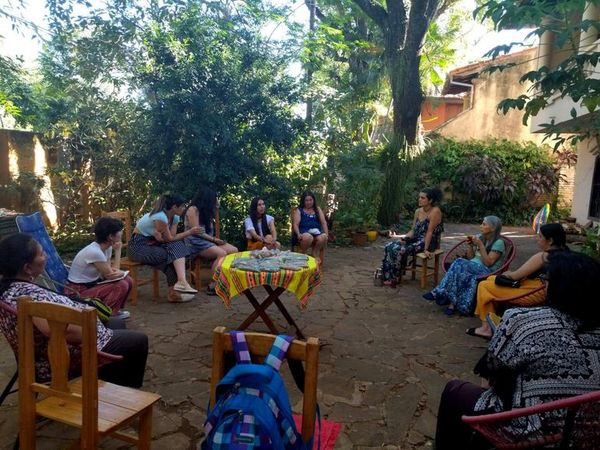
482 121
20 152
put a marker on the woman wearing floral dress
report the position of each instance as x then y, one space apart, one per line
425 234
457 289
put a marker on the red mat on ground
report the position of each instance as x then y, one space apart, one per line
329 431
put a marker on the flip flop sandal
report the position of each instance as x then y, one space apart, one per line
472 332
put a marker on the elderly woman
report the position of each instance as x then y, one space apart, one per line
23 259
425 234
457 289
551 238
156 242
537 355
93 264
309 225
260 227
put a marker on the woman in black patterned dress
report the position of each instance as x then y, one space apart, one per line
536 355
425 234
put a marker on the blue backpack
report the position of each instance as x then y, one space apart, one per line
252 409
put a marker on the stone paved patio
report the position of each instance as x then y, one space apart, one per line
388 355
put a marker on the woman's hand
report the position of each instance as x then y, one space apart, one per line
428 254
219 241
195 230
117 245
114 274
158 236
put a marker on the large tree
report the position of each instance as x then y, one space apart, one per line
404 25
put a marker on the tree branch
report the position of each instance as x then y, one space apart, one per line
376 12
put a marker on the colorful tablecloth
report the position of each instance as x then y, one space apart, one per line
232 282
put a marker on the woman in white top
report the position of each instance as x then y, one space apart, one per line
93 264
260 227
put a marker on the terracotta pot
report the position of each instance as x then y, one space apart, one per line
359 238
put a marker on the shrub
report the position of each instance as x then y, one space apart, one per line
499 177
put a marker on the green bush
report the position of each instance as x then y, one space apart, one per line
479 178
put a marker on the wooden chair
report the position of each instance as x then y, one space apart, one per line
96 407
420 263
133 266
460 249
259 344
567 423
198 265
295 247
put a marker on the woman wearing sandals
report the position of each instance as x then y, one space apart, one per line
155 242
201 215
551 238
536 355
425 234
457 289
93 264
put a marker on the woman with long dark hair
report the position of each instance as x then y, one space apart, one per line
309 225
260 227
155 242
23 260
424 235
551 238
536 355
201 215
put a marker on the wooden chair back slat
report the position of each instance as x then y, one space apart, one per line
259 345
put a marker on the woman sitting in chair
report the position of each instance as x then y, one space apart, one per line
457 289
425 234
156 242
22 261
309 226
201 214
551 238
92 264
260 227
536 355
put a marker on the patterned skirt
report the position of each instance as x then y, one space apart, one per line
459 286
395 257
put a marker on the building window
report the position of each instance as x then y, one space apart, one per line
594 212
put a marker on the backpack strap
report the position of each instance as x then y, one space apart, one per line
278 351
240 347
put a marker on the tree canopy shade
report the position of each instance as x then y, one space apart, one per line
573 37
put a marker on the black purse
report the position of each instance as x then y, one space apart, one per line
503 280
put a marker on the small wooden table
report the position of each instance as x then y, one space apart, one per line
231 282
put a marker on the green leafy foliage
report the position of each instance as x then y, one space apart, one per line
569 78
503 178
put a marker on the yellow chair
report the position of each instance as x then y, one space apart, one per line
96 407
133 266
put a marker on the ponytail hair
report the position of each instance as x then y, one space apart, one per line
166 202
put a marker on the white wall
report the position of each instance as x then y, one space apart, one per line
582 188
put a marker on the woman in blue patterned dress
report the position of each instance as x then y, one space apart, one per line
457 289
536 355
425 234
